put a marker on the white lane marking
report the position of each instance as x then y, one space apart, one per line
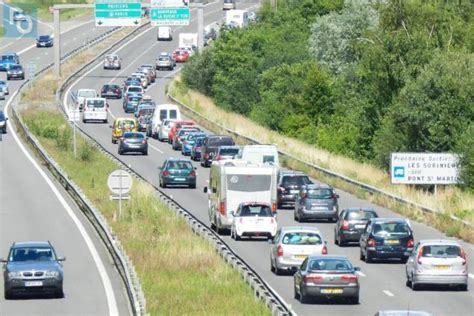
65 31
155 148
388 293
362 274
109 292
471 275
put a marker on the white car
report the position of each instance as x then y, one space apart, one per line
112 62
437 262
164 129
2 95
4 87
253 219
82 94
142 77
95 109
134 89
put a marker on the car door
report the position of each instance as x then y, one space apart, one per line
298 275
411 262
339 220
275 241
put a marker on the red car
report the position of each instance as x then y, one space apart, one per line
181 55
175 128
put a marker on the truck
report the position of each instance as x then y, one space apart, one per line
80 96
260 154
188 40
236 18
232 182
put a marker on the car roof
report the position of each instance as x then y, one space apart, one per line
318 186
31 244
291 173
403 313
311 257
439 242
353 209
389 219
178 159
300 228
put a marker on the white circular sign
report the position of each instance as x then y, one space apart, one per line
119 182
234 179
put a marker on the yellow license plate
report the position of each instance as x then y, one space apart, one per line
442 267
392 242
302 257
331 291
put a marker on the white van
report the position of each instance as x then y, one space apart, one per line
163 112
95 109
266 154
164 33
232 182
229 5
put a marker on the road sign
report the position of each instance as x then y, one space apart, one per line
169 3
119 13
119 182
169 16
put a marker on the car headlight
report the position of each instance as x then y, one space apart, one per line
14 274
53 274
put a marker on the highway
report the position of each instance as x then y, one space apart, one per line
382 284
34 207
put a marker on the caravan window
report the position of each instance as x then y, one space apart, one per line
269 159
163 114
173 114
248 182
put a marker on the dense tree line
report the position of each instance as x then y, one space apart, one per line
357 77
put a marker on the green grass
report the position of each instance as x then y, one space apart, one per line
180 273
41 8
2 31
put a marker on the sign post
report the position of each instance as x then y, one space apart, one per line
118 13
119 182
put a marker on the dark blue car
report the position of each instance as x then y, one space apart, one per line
6 60
44 41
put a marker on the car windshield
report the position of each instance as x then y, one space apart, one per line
95 103
183 132
183 165
134 99
302 238
87 94
163 59
2 116
126 124
295 180
8 57
360 215
254 210
330 265
221 141
134 89
21 254
15 67
319 193
199 141
2 83
389 229
228 151
44 37
133 135
441 251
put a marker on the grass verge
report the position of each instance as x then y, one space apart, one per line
42 12
180 274
449 200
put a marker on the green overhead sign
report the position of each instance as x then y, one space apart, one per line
118 13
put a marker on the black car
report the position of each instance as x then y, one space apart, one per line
386 238
15 72
289 185
3 122
351 223
44 41
210 145
33 268
133 142
111 91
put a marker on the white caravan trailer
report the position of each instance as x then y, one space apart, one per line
266 154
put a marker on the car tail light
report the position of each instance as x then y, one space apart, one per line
166 173
280 251
274 207
192 173
463 257
222 208
281 189
334 195
349 278
143 142
206 156
325 250
371 243
345 225
312 278
219 157
410 243
418 256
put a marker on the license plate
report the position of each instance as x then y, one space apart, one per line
134 146
331 291
33 283
180 179
359 226
301 257
392 242
442 267
294 191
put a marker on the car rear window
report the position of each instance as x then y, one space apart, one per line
44 37
95 103
223 141
441 251
254 210
183 165
87 94
133 135
360 215
163 59
31 254
295 180
134 89
330 264
302 238
391 229
126 123
248 182
15 67
228 151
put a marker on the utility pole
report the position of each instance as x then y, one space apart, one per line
57 42
200 21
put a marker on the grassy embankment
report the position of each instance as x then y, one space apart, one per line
42 8
180 273
449 200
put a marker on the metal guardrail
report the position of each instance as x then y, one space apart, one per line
122 261
261 288
364 186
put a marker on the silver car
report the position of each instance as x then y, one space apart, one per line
292 245
437 262
326 277
112 62
165 62
33 267
4 87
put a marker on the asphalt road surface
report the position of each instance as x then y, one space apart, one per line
34 207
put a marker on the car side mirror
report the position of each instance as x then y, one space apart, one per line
270 241
337 195
6 119
3 260
61 258
205 190
325 242
356 269
232 213
195 168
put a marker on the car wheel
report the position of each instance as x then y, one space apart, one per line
278 271
8 295
408 282
361 256
145 153
114 141
354 300
237 237
4 130
463 287
193 186
368 258
304 299
296 295
404 259
120 152
414 286
59 293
